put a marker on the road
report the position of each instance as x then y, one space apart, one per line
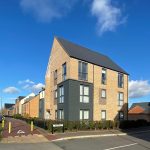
129 142
135 142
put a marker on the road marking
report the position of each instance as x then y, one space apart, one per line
20 132
121 146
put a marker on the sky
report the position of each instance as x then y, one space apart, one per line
119 29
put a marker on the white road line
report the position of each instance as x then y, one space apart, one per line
121 146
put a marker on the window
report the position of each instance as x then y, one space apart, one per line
61 114
55 77
84 114
103 76
56 114
121 115
103 93
84 94
120 98
120 80
82 71
55 94
64 71
61 94
103 114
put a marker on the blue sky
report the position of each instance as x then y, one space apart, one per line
119 29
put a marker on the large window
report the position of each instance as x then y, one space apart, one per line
84 114
120 80
61 94
64 71
120 99
55 77
103 93
61 114
103 76
84 94
103 115
82 71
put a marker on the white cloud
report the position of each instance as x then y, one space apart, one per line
139 88
11 90
28 81
46 10
37 87
108 16
34 88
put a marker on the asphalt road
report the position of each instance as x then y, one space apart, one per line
135 142
131 142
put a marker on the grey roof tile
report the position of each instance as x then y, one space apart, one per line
85 54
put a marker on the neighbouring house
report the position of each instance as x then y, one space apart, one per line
9 109
43 113
140 111
30 107
17 104
82 84
22 101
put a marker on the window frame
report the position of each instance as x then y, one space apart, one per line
83 114
61 114
55 77
102 114
61 94
104 80
83 95
120 100
64 71
82 75
105 93
120 82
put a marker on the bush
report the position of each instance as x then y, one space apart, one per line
17 116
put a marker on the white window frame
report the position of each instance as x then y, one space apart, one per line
84 93
61 94
61 114
120 98
84 114
103 91
103 114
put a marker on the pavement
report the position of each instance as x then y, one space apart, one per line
21 133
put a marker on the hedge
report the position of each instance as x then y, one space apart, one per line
85 125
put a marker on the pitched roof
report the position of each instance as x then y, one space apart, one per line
144 105
85 54
136 110
7 106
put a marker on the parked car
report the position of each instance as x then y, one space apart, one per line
1 118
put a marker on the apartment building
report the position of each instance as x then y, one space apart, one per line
81 84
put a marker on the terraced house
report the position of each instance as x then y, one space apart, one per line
84 85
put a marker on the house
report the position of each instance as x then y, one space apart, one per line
17 104
140 111
82 84
9 109
30 107
22 101
43 113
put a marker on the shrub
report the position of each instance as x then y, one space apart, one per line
17 116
